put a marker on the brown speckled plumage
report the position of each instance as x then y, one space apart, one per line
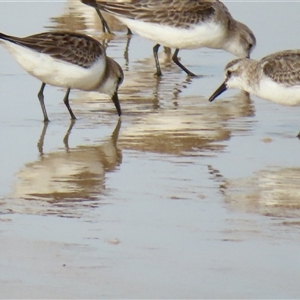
282 67
180 14
73 48
275 77
69 60
182 24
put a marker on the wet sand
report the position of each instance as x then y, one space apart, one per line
181 198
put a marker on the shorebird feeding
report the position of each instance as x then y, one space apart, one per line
275 77
70 60
182 24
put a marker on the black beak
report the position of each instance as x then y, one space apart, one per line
115 99
222 88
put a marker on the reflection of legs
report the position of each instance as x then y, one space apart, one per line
177 62
66 138
155 50
41 98
168 53
104 23
40 142
66 101
126 52
114 139
116 131
155 101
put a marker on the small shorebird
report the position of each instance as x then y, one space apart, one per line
182 24
70 60
275 77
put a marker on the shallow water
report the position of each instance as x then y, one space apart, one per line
181 198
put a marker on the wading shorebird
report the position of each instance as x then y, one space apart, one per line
275 77
182 24
69 60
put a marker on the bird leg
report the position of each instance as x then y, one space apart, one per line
66 101
41 98
158 70
177 62
104 23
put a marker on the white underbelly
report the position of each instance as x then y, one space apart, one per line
209 34
284 95
56 72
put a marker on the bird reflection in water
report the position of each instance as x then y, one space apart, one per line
190 128
78 16
40 143
162 116
64 182
272 192
167 54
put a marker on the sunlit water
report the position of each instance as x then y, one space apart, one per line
181 198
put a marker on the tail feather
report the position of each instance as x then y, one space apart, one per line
5 37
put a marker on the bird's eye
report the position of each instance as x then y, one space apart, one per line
228 73
250 46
